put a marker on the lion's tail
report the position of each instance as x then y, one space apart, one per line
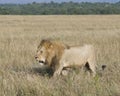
104 67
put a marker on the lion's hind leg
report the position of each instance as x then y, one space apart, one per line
92 67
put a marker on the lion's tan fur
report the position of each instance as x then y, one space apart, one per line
78 56
54 51
58 56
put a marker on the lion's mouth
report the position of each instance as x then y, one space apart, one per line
42 62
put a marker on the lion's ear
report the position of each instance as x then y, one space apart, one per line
43 41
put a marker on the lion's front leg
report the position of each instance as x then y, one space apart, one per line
58 70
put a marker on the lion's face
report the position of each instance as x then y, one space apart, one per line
41 55
43 51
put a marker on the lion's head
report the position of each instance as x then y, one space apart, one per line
49 52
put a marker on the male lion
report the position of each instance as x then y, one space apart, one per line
58 56
78 56
49 53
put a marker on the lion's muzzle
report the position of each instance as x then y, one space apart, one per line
42 62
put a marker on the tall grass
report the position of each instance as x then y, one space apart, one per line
19 72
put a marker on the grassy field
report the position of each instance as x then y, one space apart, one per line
19 72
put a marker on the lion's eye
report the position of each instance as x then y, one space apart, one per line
41 51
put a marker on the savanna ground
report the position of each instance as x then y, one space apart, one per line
19 72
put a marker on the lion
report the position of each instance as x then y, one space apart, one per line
49 52
59 56
78 56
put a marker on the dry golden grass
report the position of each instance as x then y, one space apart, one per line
19 72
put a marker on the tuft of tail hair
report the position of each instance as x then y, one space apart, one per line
104 67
